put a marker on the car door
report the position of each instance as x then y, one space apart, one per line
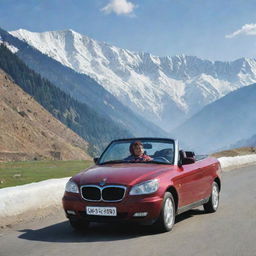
206 169
189 184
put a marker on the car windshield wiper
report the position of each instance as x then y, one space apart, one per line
114 162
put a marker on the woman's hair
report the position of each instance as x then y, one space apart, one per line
133 144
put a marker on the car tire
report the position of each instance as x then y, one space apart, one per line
166 219
79 225
213 203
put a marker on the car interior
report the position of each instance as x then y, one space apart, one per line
166 153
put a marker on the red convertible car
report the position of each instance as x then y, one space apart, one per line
146 180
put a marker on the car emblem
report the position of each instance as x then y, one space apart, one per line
103 182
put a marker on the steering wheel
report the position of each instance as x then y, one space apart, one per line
162 159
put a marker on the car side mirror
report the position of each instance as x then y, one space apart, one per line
188 160
95 159
180 163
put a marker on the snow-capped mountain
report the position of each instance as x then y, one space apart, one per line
84 89
165 90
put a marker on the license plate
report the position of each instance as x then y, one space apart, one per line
101 211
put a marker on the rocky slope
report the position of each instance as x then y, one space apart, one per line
28 131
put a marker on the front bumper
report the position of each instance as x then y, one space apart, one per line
125 209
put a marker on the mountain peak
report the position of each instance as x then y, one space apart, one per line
164 89
69 31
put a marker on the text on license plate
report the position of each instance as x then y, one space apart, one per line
101 211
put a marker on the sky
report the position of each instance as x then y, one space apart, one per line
209 29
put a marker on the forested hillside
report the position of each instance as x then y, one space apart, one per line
77 116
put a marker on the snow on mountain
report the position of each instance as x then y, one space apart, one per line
12 48
165 90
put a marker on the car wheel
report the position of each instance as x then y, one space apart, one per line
79 225
213 203
166 219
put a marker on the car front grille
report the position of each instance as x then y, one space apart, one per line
110 193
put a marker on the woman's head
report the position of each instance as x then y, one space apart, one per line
136 148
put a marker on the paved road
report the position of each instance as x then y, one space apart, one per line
231 231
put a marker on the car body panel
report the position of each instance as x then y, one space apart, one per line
122 174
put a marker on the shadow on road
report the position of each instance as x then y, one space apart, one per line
62 232
189 214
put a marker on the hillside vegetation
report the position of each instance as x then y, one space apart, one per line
29 132
80 118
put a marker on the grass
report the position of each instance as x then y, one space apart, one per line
19 173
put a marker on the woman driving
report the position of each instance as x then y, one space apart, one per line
137 153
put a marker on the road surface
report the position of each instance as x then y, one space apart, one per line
229 231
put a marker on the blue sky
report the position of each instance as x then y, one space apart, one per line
210 29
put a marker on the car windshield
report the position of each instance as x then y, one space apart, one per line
152 151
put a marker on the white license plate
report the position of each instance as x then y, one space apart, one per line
101 211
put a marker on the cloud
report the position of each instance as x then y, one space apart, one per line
119 7
247 29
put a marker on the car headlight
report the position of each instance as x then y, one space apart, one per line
146 187
71 187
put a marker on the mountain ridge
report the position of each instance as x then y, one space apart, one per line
167 90
223 124
82 87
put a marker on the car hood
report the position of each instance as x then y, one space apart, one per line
125 174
